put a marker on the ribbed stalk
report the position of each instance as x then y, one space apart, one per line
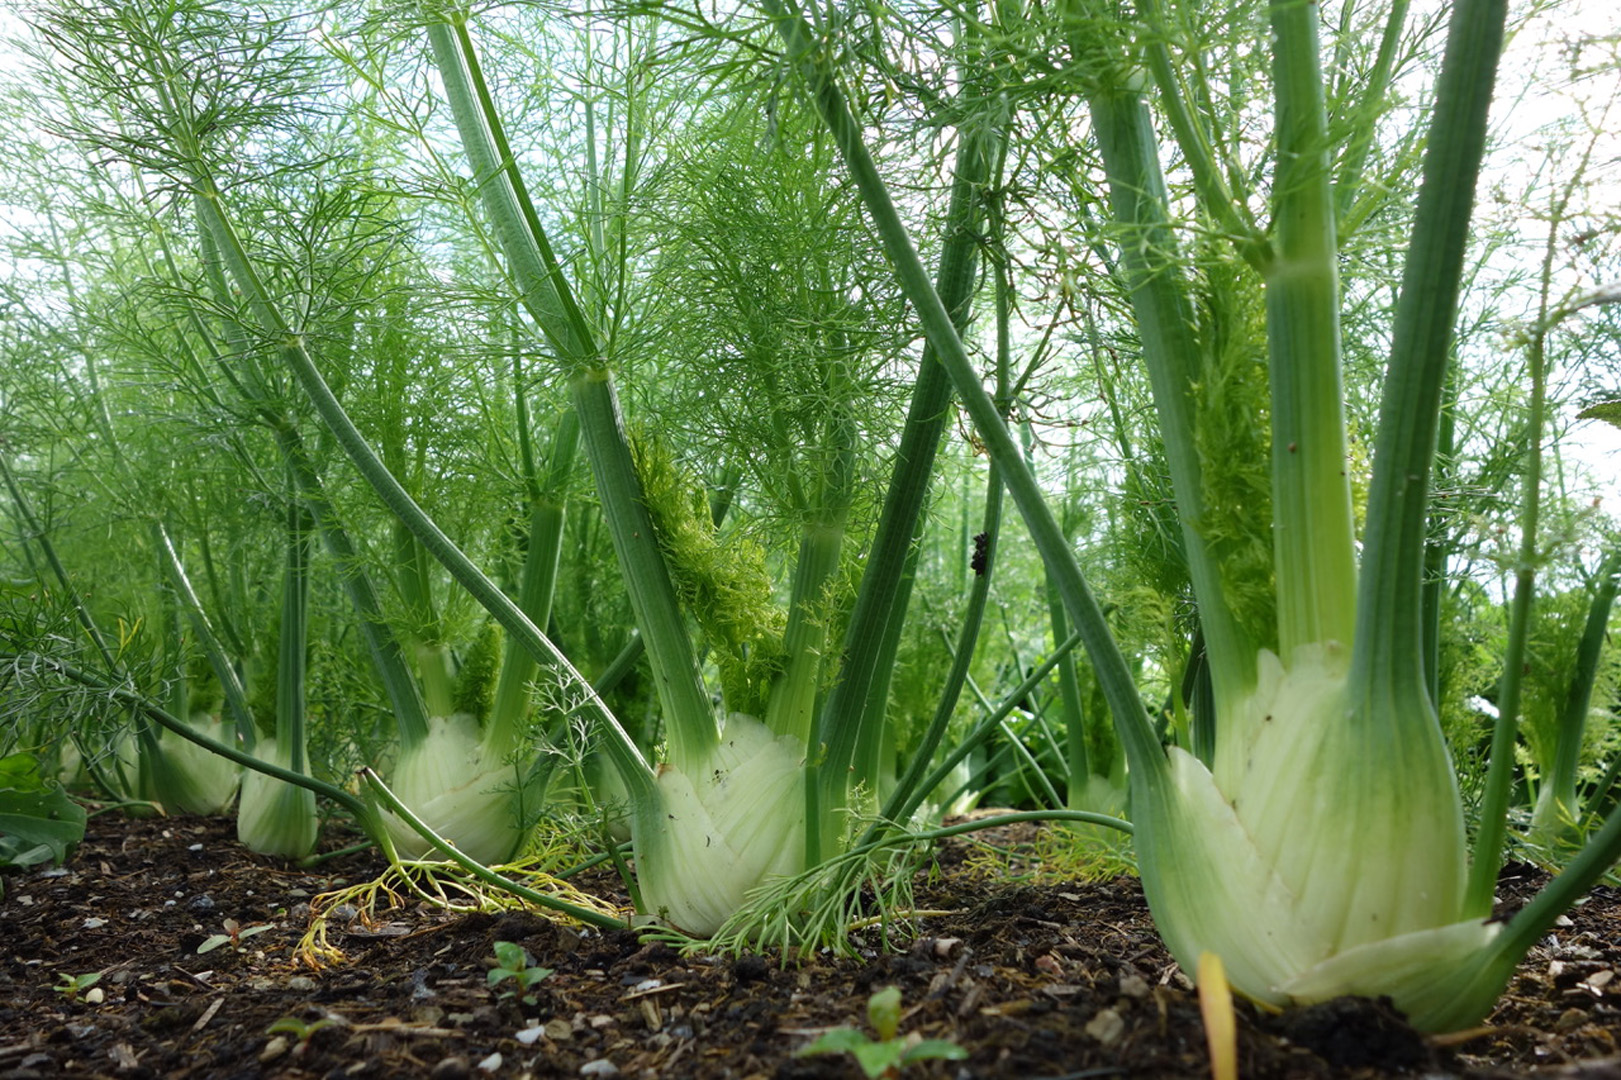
544 289
293 642
1348 184
815 66
238 716
404 696
1198 149
1387 658
792 707
1311 490
1389 634
1175 360
1558 801
1437 546
913 787
626 757
878 599
273 816
536 586
689 717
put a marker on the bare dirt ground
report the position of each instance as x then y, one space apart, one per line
1033 978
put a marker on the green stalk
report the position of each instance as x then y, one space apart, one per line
405 698
1077 757
535 588
792 707
236 699
1175 360
274 817
1348 184
689 717
1194 141
878 600
1561 802
815 66
1437 545
1311 491
541 900
913 788
434 664
292 659
626 757
544 289
992 721
1387 657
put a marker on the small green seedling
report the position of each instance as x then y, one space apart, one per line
301 1030
884 1057
514 962
233 936
71 986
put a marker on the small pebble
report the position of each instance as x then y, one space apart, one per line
1570 1020
1133 985
1106 1027
451 1068
301 982
201 903
93 923
491 1063
599 1067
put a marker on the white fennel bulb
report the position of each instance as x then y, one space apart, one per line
1319 857
461 790
715 836
274 817
193 779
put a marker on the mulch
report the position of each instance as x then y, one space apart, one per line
196 943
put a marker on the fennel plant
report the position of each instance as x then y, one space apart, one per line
1322 850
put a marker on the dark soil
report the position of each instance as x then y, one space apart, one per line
1033 979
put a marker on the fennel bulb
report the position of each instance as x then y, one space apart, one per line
460 789
193 779
708 839
1318 857
274 817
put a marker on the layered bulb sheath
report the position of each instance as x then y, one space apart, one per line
274 817
1324 853
713 837
469 795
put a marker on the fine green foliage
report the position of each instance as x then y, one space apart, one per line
467 307
721 580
